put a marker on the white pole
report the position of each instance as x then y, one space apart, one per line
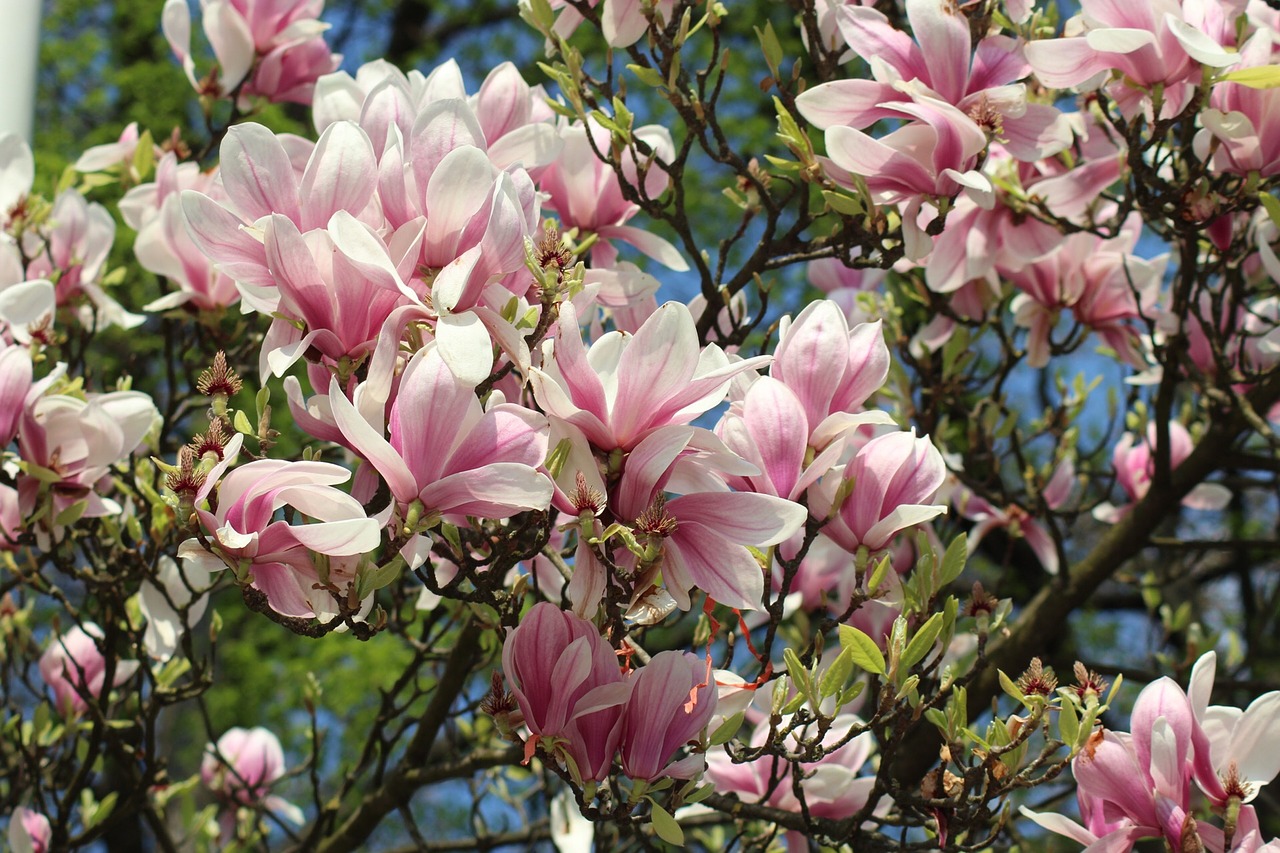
19 55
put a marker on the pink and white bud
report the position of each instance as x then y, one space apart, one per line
29 832
75 669
893 481
243 765
565 677
672 699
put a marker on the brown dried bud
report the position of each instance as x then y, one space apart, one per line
1190 842
1088 682
1038 680
219 379
981 601
214 441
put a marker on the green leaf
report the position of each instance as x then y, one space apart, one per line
726 730
771 46
242 425
1010 687
800 675
921 643
648 76
862 649
837 675
939 720
845 204
1258 77
1069 724
1272 204
666 827
877 576
700 794
953 561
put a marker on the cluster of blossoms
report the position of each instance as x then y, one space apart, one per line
442 281
1143 785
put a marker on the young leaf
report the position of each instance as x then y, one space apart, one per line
921 643
862 649
666 827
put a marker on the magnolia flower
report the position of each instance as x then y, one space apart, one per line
1156 46
280 558
941 64
1135 464
672 699
626 386
172 604
75 669
164 246
701 537
241 769
566 679
15 382
70 444
1017 520
446 455
1240 742
832 368
835 786
586 193
892 482
29 832
269 48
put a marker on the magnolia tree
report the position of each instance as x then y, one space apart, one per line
778 565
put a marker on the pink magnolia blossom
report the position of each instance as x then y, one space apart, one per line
941 64
15 383
1104 286
446 454
703 535
72 251
626 386
988 244
585 191
70 444
75 669
17 171
893 480
263 174
832 369
1162 45
565 677
672 699
10 518
29 832
1241 131
1135 463
119 154
164 246
1239 741
279 557
242 768
622 22
768 430
934 155
507 118
268 48
835 786
1017 520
